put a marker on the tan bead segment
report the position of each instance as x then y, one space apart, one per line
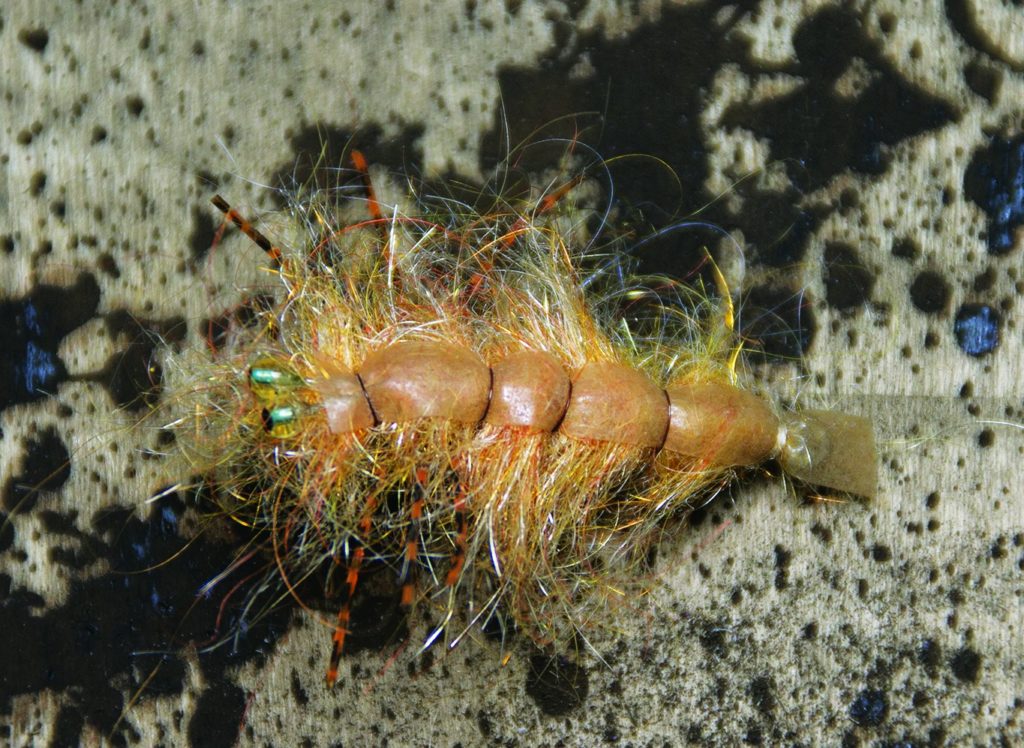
614 403
530 389
344 403
719 425
411 380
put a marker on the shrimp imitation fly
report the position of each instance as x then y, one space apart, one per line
456 395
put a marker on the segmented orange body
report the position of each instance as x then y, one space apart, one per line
451 395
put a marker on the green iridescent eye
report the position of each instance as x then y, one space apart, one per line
270 382
280 422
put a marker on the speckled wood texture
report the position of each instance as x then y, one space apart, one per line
869 158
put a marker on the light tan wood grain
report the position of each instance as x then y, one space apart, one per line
221 88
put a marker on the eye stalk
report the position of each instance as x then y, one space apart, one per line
281 421
270 382
278 391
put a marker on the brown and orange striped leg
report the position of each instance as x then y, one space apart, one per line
412 542
360 165
372 206
351 579
550 201
248 229
461 532
546 203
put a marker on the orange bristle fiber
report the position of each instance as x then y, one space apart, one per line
454 397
